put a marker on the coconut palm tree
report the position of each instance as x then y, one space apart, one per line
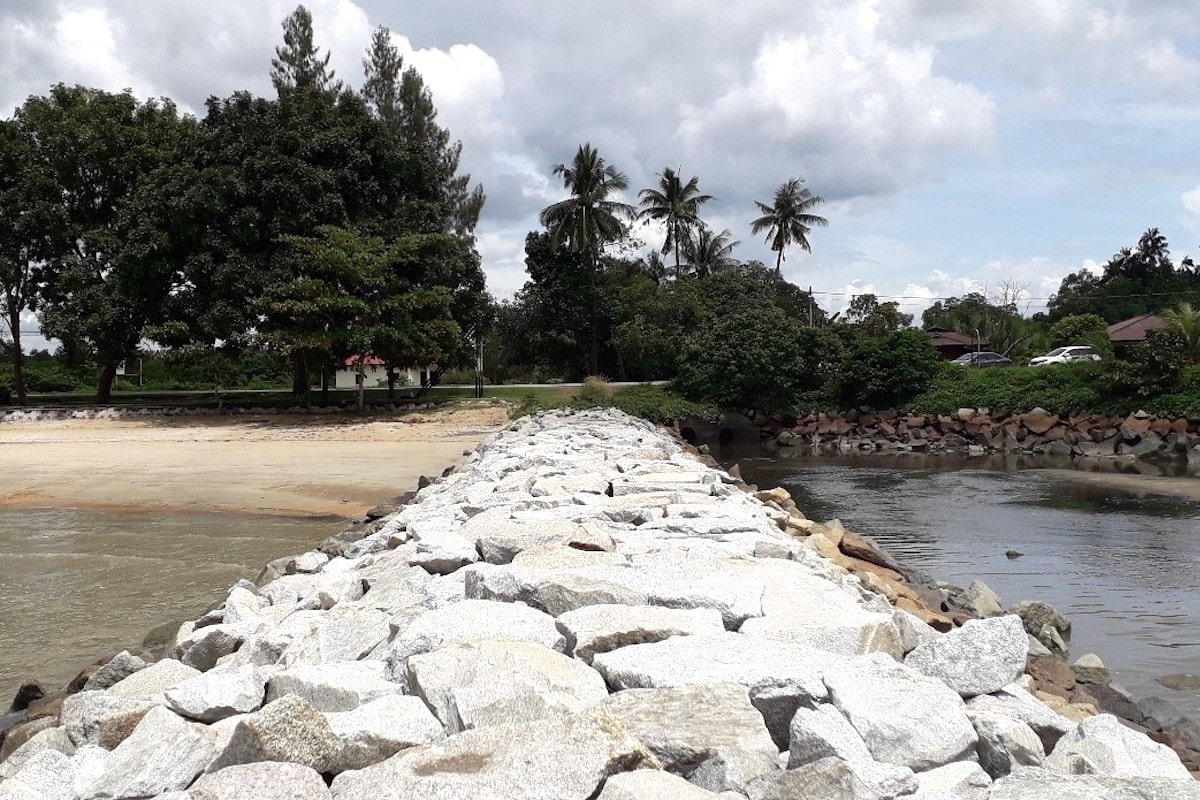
588 219
788 220
676 205
1185 320
707 252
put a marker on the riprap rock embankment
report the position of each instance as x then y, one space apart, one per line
581 610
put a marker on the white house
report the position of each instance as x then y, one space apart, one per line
375 374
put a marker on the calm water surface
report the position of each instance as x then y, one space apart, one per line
79 584
1124 569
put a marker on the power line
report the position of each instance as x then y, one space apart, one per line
1020 299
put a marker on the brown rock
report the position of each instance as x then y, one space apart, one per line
861 548
1039 420
1054 434
1161 426
921 611
1134 428
1052 675
1180 425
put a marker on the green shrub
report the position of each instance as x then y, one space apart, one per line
594 393
1065 389
660 405
889 370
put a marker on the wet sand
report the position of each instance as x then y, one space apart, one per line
1187 488
277 465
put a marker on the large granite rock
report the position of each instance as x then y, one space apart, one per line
566 758
164 753
982 656
469 620
381 728
262 781
646 783
962 780
905 718
1046 784
340 686
779 675
1101 745
288 729
119 667
1005 743
709 734
152 682
347 632
601 628
101 717
217 694
48 775
1016 703
834 779
483 683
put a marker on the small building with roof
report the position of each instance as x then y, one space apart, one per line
1133 330
952 344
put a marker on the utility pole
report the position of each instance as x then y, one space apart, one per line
479 366
810 306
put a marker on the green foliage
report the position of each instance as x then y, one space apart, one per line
754 359
888 371
789 219
1068 389
594 392
868 317
660 405
1082 329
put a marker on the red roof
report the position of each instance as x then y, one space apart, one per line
1134 329
370 361
944 337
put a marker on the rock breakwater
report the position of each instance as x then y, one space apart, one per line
582 609
1037 432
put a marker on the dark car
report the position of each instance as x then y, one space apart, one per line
983 358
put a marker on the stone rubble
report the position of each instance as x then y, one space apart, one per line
584 609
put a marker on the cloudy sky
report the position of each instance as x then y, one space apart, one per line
958 145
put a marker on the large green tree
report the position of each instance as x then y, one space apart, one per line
788 220
587 220
120 167
298 64
676 205
707 252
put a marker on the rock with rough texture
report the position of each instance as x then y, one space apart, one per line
834 779
219 693
565 758
164 753
905 718
650 783
342 686
288 729
443 552
779 675
962 780
483 683
1101 745
347 632
101 718
205 646
709 734
377 730
49 739
1045 784
469 620
1036 616
119 667
601 628
1014 702
980 600
982 656
151 682
821 732
48 775
262 781
1005 743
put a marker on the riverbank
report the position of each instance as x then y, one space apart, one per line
291 465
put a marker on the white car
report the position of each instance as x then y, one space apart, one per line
1066 355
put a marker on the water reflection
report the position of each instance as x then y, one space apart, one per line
1123 567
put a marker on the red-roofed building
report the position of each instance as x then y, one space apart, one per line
375 374
952 344
1134 329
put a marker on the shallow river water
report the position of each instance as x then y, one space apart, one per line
78 584
1124 569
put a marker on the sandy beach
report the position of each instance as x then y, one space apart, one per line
285 465
1186 488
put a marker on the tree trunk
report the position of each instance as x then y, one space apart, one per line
392 376
299 373
594 354
108 375
18 357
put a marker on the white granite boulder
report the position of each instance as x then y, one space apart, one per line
377 730
709 734
651 783
779 675
821 732
1015 702
600 628
904 717
1101 745
442 552
982 656
339 686
262 781
484 683
203 647
469 620
1045 784
347 632
1005 743
962 780
101 717
219 693
151 682
565 758
164 753
48 775
833 779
